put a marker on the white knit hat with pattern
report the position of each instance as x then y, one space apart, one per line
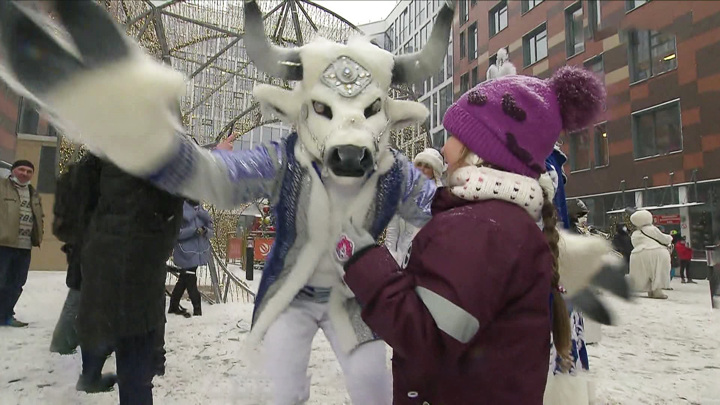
432 158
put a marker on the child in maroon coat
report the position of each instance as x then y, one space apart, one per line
469 317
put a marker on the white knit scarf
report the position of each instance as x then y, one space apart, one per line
475 183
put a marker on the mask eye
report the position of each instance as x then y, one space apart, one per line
322 109
373 108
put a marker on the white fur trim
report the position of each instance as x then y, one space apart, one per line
308 258
124 110
581 257
565 389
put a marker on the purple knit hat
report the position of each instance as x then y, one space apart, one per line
514 121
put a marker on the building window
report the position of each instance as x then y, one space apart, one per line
28 118
535 45
438 139
596 66
47 168
498 18
440 77
602 156
449 61
633 4
528 5
462 45
473 3
472 42
657 131
574 32
446 99
579 150
464 83
428 121
595 14
433 111
464 11
474 77
651 53
493 60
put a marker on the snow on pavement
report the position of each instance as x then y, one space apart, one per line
663 352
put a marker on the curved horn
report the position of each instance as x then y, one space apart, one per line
269 58
418 66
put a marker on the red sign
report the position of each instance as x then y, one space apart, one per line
666 219
262 247
235 248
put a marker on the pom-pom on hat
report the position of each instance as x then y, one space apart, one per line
513 122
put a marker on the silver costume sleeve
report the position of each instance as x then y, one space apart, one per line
223 178
417 195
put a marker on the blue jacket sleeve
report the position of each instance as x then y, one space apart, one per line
223 178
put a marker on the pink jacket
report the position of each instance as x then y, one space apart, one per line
469 318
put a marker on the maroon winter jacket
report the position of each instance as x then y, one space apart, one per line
683 251
483 271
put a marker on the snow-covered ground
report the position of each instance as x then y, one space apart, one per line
663 352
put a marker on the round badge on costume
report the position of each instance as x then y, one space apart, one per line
344 249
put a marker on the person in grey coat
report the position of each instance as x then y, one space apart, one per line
192 250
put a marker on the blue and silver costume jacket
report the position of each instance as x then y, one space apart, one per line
286 175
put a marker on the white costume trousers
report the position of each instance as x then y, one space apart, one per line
287 347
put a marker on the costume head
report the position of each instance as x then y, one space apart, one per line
513 122
340 105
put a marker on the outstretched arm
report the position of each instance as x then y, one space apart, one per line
224 178
120 102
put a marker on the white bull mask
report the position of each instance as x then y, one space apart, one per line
340 105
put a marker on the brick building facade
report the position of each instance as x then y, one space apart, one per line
658 139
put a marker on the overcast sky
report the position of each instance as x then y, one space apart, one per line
358 11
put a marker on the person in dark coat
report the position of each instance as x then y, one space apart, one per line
674 259
622 242
75 200
469 317
578 216
191 251
129 237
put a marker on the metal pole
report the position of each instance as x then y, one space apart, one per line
249 259
214 276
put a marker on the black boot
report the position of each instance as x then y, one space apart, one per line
197 311
94 384
179 311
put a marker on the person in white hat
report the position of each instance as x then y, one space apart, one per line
400 233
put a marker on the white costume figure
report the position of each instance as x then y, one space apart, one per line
336 167
502 66
400 233
104 92
650 257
